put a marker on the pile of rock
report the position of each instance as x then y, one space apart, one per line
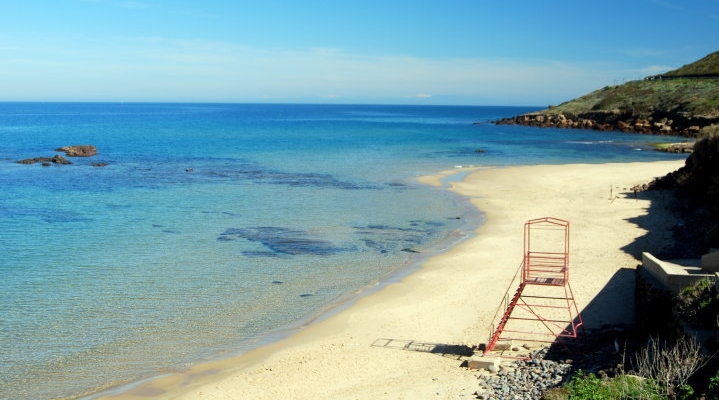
524 379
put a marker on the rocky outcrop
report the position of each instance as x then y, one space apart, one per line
70 151
685 147
669 124
46 161
680 106
78 150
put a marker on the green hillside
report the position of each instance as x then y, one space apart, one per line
679 102
689 97
706 67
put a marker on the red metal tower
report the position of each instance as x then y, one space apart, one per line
543 307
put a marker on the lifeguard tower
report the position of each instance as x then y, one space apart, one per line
543 308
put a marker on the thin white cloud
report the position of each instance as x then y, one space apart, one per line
157 69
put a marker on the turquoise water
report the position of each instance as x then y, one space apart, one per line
215 224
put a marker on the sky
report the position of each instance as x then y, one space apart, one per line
450 52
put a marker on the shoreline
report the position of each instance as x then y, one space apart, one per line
473 219
448 299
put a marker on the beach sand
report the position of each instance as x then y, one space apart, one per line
453 297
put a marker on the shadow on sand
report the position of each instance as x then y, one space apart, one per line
675 226
454 351
610 335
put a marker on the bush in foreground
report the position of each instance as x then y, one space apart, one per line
663 371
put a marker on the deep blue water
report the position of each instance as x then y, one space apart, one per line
214 224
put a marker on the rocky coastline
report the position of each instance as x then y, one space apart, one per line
661 124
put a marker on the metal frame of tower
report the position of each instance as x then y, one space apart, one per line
542 308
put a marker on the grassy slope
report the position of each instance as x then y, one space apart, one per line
707 66
677 92
695 97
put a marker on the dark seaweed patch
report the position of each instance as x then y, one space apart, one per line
284 241
258 174
310 180
396 184
372 244
386 238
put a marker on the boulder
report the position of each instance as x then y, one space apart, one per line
78 150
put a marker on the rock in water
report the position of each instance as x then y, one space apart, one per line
78 151
56 159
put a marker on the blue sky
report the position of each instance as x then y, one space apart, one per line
516 52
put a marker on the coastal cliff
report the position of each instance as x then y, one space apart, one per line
680 102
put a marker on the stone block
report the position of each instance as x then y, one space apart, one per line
503 346
481 362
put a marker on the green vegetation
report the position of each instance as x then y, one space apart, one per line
692 90
663 371
698 304
707 66
591 387
680 102
643 99
683 368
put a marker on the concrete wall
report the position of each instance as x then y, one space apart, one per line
674 276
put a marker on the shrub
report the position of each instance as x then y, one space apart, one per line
698 304
591 387
671 365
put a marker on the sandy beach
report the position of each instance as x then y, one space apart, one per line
453 297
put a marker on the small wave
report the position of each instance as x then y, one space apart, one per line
589 142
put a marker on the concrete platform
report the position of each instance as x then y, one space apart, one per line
676 274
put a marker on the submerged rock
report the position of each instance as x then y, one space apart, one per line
286 241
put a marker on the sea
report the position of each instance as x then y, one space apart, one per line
200 231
